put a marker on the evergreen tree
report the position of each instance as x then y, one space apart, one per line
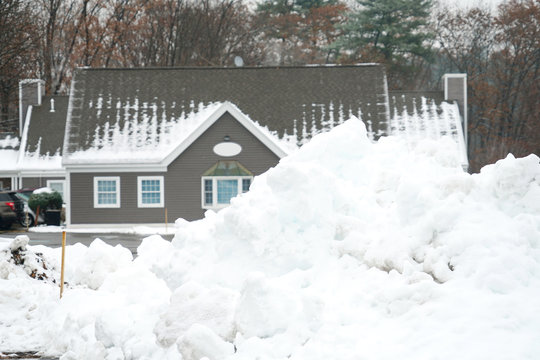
393 32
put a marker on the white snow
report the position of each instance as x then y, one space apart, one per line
8 160
9 142
430 121
347 249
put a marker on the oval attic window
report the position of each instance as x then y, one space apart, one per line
227 149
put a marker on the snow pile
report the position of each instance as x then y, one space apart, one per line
430 121
17 260
345 250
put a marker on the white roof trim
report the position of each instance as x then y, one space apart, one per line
461 142
240 117
24 138
455 75
68 119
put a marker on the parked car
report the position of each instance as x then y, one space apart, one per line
29 214
11 209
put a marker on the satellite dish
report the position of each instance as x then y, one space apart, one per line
238 61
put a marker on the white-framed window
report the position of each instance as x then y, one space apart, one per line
57 185
107 191
217 191
150 191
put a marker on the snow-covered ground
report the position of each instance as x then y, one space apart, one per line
345 250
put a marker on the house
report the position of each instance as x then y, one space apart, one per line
33 157
139 141
155 144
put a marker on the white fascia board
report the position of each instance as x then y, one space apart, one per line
100 168
240 117
462 145
24 138
68 118
20 110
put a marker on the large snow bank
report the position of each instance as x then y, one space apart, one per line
345 250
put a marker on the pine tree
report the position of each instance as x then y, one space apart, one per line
390 31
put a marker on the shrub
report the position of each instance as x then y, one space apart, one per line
45 201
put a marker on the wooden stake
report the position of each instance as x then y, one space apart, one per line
37 216
62 269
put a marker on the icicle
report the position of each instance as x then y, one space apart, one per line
331 114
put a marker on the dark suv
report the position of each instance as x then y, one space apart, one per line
11 209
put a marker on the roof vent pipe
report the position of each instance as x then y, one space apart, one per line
52 105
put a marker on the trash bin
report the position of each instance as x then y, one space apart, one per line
52 217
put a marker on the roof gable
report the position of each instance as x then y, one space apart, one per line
156 142
253 128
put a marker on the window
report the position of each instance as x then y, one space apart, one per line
218 191
223 181
150 191
57 185
107 192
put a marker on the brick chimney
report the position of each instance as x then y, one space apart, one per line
455 89
31 92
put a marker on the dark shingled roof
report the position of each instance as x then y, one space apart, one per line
46 130
299 101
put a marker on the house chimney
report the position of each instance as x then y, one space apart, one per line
455 89
31 92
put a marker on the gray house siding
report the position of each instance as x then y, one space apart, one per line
37 182
82 201
182 180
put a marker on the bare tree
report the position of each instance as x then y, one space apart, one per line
501 56
17 51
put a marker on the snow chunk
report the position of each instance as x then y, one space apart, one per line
193 304
201 343
89 266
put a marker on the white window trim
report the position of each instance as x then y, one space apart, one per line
63 182
215 205
107 178
161 193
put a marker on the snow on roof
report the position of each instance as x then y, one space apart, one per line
430 121
30 161
147 138
9 142
9 159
